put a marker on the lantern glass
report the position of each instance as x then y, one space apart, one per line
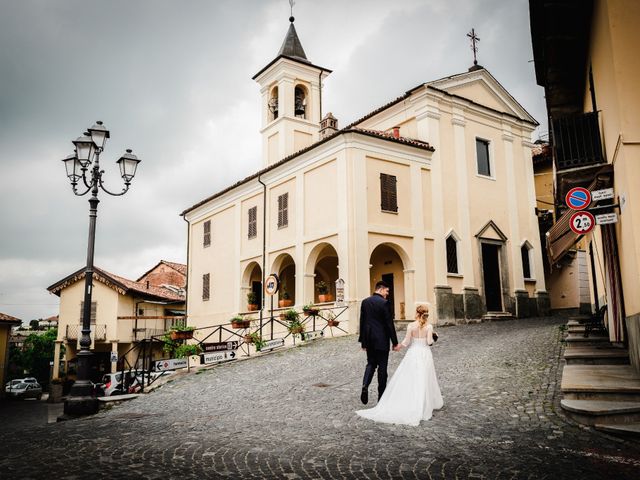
99 134
73 167
85 148
128 164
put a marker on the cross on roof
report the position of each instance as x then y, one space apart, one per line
474 39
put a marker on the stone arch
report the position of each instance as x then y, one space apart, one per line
391 263
251 282
322 265
285 267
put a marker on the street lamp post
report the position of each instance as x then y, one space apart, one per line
83 167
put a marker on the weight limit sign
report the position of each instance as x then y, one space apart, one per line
582 222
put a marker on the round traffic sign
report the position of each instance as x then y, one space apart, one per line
271 284
578 198
582 222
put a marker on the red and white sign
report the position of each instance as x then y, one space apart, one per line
578 198
582 222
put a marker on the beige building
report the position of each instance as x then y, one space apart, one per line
432 192
123 312
586 59
6 322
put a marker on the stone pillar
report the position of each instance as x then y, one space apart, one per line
522 304
56 359
445 304
473 304
544 304
114 348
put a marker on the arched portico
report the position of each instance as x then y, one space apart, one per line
251 282
390 263
322 265
285 267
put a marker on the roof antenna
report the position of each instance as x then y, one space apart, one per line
474 40
292 3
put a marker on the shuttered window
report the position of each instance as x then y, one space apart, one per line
526 263
94 309
452 255
482 156
206 239
283 210
388 193
205 286
253 222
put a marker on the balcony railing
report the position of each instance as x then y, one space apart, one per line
147 333
98 332
576 141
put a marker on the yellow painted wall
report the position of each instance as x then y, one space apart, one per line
320 200
402 218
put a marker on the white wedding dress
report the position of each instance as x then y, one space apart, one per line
412 393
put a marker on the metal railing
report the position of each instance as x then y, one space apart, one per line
576 141
98 332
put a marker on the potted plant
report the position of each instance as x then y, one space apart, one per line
285 299
323 292
240 322
293 319
330 317
186 350
255 339
310 309
180 331
252 301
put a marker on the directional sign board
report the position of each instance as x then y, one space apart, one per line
271 344
207 358
582 222
171 364
604 194
306 336
220 346
578 198
606 218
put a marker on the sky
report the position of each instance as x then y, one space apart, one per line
171 79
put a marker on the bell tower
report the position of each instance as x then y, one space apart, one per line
291 89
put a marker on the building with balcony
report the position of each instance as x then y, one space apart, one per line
432 193
123 312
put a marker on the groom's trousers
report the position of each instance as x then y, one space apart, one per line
376 359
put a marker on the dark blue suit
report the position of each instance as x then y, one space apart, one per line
376 332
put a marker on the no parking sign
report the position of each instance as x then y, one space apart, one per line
578 198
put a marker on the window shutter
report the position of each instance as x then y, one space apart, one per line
205 286
452 255
253 222
283 210
388 193
94 309
206 241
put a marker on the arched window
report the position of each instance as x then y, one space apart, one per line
525 250
452 254
300 99
273 104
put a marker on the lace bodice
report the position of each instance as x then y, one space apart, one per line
417 335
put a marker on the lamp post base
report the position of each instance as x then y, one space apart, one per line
80 401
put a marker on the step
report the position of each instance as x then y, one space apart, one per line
626 430
579 318
596 355
498 316
600 382
574 339
592 412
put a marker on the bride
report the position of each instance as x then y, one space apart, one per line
413 392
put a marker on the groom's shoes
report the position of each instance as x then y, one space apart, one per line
364 396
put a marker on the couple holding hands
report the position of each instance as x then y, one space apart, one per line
413 391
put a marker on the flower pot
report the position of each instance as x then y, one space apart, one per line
181 335
248 339
243 324
333 323
296 330
285 303
327 297
311 311
252 307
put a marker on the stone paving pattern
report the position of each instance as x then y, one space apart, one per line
291 415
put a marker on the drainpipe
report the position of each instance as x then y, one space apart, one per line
320 92
264 245
186 289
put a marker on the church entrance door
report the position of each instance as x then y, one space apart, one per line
491 277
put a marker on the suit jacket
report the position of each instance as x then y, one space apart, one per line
376 324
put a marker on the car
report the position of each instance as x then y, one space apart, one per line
112 382
25 390
11 384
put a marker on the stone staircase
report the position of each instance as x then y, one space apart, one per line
599 387
490 316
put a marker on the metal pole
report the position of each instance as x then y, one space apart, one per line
593 277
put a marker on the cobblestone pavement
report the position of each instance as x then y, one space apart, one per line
291 415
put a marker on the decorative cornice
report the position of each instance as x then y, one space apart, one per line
507 137
526 143
458 121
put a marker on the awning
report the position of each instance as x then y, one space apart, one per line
560 237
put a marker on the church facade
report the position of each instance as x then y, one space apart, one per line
432 193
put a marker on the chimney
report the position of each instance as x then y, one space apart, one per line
328 125
396 132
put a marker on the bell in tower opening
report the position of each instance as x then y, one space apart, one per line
300 102
273 103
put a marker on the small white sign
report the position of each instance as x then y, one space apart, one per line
114 357
339 292
306 336
604 194
207 358
606 218
271 344
171 364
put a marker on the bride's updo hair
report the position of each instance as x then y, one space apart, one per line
422 315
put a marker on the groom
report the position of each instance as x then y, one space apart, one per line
376 330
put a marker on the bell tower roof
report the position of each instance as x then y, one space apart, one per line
291 47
